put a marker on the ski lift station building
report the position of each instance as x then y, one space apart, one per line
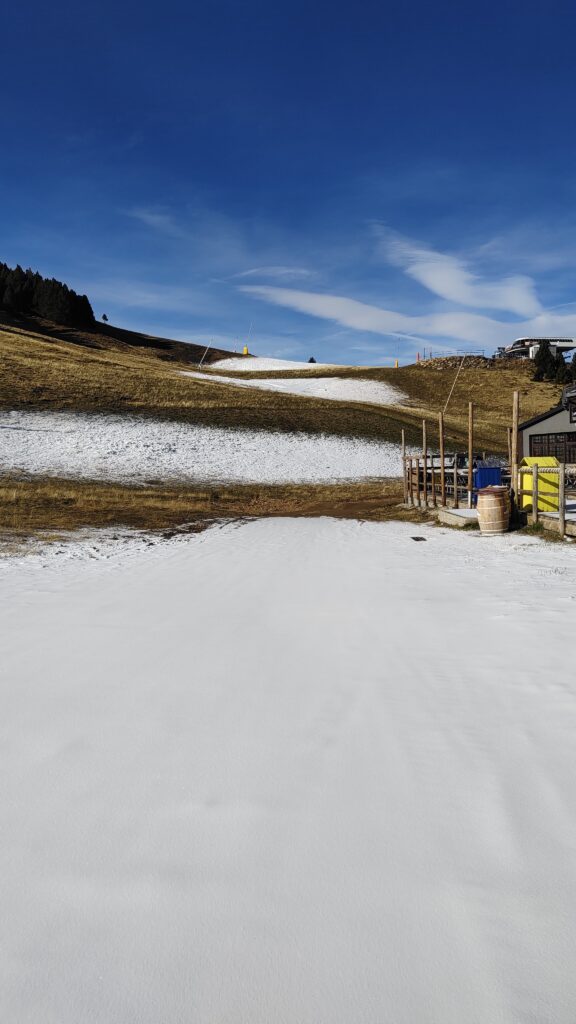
526 348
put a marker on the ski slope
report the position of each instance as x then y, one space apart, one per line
295 771
133 448
336 389
255 364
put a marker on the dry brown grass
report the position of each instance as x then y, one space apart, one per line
38 373
45 372
67 370
31 505
489 384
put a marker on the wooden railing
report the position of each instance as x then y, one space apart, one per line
566 474
429 483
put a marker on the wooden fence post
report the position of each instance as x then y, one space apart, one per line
562 500
470 453
433 480
425 462
442 468
514 447
535 494
404 467
455 480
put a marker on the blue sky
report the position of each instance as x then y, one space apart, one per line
358 182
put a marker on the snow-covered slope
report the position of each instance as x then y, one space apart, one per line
301 771
254 364
338 389
137 448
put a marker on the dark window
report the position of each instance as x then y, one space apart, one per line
562 446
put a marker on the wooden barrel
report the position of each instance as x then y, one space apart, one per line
493 510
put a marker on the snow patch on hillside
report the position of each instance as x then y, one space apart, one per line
337 389
252 364
133 448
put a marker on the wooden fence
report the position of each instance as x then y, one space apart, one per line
432 480
432 483
566 474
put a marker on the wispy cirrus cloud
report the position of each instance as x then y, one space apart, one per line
131 294
276 272
158 219
451 278
471 328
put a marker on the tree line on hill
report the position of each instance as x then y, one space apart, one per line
27 292
550 366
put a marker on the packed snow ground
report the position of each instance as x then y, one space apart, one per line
336 389
256 363
298 771
138 449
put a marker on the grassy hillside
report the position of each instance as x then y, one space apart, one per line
107 337
50 367
42 372
428 386
47 367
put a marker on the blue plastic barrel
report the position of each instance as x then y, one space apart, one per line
486 476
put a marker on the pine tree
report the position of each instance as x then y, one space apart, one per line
25 291
544 362
561 376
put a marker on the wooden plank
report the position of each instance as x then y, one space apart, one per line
514 445
455 481
404 467
410 481
417 466
535 494
442 467
562 503
470 452
425 462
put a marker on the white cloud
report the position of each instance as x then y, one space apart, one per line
472 328
148 295
157 219
281 272
450 278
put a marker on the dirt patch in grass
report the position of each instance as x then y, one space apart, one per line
31 505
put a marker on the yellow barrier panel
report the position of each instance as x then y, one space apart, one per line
548 483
